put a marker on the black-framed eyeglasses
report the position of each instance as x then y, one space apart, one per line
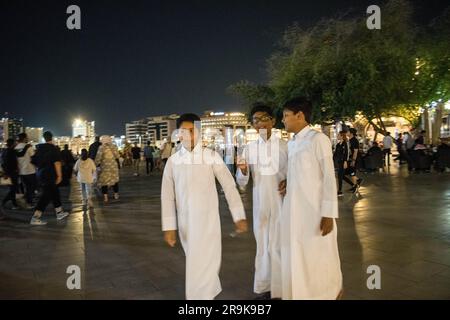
257 120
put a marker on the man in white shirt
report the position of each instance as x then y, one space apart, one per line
309 251
387 145
27 171
190 204
266 160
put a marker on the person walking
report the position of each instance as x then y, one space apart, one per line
108 160
85 170
27 171
10 171
47 159
136 152
387 146
148 154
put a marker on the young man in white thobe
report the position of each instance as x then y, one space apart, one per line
190 204
266 160
309 252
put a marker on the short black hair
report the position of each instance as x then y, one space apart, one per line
21 136
84 154
300 104
48 136
353 131
10 142
187 117
260 107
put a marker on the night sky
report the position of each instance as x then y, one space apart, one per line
136 58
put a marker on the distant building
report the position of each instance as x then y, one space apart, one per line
82 128
225 128
156 129
60 141
136 131
10 128
160 128
34 134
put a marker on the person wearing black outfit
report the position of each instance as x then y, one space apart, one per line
341 159
67 165
148 154
47 159
136 152
11 170
442 157
354 150
420 138
93 148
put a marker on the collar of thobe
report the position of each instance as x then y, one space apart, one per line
271 139
197 148
302 133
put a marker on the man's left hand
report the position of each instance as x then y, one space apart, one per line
326 225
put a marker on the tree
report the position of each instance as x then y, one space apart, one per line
345 68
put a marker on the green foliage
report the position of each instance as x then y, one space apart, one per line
345 68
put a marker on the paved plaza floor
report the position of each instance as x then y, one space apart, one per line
399 222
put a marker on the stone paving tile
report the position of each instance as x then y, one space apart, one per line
399 222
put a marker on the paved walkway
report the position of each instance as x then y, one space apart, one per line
400 223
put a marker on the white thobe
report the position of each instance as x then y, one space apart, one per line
267 162
190 204
310 262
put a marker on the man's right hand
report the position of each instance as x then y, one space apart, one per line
244 168
170 237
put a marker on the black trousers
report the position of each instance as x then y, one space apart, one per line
147 162
67 171
115 188
50 193
11 195
29 181
342 177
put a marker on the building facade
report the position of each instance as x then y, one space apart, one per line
82 128
34 134
156 129
10 128
136 131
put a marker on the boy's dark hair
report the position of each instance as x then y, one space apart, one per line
84 154
21 136
187 117
10 142
48 136
300 104
260 107
353 131
343 132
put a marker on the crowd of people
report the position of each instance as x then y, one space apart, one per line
294 193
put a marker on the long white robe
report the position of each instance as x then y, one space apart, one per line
268 165
310 262
190 204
